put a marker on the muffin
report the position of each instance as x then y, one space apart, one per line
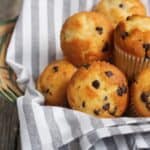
118 10
140 93
86 37
53 81
99 89
132 45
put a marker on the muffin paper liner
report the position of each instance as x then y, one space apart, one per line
129 64
35 43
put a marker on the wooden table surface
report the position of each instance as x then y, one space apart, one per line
9 126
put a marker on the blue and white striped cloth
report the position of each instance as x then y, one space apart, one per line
35 43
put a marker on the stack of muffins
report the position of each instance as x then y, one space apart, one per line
106 62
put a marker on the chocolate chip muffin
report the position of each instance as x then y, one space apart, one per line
140 94
99 89
53 81
133 36
118 10
132 44
85 37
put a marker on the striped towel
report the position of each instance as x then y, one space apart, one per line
35 43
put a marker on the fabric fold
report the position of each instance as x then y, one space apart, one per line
35 43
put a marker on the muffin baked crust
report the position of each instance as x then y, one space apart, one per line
118 10
133 36
99 89
85 37
53 82
140 94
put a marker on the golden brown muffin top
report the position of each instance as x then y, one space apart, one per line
133 36
118 10
99 89
84 36
53 81
81 25
140 93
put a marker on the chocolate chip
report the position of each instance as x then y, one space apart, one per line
134 81
113 112
96 84
47 91
148 106
55 68
96 111
122 90
86 66
78 87
124 35
146 46
121 5
99 30
109 73
50 93
128 18
106 48
106 106
145 96
83 104
105 98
